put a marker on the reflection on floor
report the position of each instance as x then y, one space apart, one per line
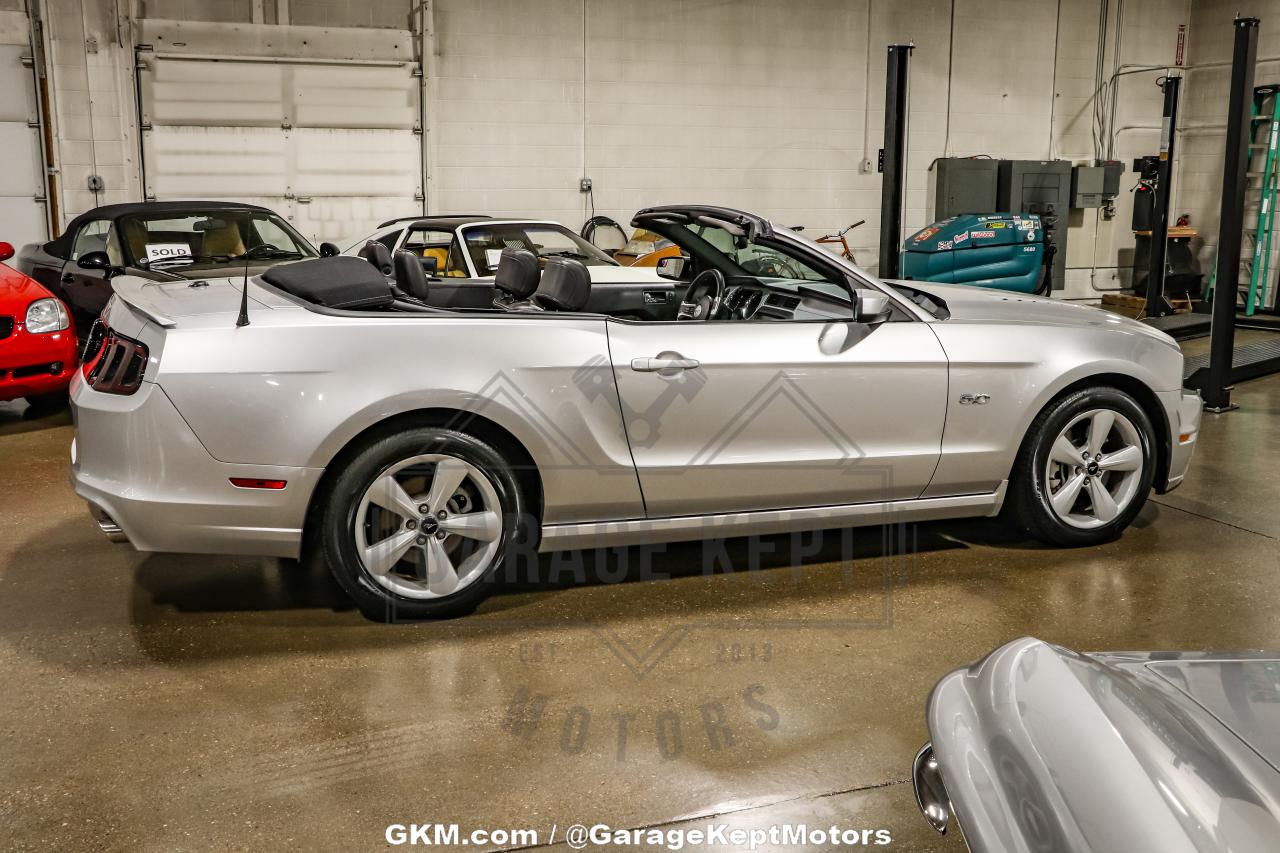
167 702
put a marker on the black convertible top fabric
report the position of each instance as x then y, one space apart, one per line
337 282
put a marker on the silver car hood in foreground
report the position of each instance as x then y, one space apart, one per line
988 305
1041 748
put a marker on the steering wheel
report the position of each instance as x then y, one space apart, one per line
260 250
704 297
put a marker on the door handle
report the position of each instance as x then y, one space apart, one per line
67 278
663 364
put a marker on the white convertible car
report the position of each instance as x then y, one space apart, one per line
469 245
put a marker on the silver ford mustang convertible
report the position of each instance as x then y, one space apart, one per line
324 409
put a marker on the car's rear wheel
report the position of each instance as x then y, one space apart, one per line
1085 468
417 523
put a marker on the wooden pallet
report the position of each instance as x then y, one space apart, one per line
1136 306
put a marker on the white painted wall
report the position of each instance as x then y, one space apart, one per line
1203 121
774 106
90 51
755 103
23 217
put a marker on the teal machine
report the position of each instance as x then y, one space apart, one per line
1007 251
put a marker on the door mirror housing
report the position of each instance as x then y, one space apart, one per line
98 261
873 307
328 250
6 251
671 267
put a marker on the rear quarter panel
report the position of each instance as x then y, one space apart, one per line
294 387
1022 367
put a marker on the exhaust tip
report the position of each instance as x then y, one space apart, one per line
107 524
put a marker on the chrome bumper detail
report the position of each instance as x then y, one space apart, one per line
931 794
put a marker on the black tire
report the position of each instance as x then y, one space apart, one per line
48 402
1027 502
334 536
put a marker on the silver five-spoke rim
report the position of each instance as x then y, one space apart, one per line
428 526
1094 468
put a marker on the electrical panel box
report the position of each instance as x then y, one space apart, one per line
1112 172
1088 186
1042 187
960 185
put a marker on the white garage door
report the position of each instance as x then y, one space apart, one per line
22 212
334 147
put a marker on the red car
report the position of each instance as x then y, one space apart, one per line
37 344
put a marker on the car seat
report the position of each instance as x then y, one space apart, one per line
410 277
225 240
441 254
566 286
135 238
516 279
379 255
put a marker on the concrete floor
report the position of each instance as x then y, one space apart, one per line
171 703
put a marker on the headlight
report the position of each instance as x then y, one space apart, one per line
46 315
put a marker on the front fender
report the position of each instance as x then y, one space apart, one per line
1021 369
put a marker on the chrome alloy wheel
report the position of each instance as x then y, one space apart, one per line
428 526
1094 468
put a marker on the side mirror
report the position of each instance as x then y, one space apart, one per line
431 266
671 267
873 307
98 261
328 250
6 251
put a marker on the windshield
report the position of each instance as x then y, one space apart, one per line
485 243
771 263
212 237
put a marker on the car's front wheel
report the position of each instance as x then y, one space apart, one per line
417 523
1085 468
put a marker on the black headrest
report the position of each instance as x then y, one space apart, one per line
566 285
337 282
517 273
410 275
377 254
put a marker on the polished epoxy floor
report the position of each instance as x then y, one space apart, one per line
180 703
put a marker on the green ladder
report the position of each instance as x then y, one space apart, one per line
1264 127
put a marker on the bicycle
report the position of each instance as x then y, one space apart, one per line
838 238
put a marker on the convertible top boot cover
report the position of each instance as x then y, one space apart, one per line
337 282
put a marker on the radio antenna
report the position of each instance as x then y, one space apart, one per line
243 319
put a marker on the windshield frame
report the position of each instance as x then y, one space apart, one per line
142 217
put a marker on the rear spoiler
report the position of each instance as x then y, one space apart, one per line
131 290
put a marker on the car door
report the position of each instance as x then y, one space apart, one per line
87 291
757 415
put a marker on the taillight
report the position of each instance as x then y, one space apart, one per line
93 342
117 365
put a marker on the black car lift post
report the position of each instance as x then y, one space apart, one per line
1216 390
1157 303
893 159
